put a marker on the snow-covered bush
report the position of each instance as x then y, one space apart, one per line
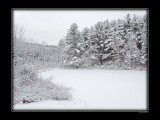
17 60
27 74
29 87
42 90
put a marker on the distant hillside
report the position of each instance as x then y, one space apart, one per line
41 55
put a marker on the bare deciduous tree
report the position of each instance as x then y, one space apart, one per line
18 33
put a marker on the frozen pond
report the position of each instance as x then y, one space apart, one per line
97 89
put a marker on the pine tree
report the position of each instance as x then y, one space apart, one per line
141 35
95 44
109 49
129 45
85 47
72 52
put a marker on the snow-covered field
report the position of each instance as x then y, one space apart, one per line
96 89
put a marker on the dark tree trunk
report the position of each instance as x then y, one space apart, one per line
101 61
76 67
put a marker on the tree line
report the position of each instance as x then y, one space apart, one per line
115 44
118 43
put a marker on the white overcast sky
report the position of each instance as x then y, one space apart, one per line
51 25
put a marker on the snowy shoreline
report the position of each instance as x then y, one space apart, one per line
96 89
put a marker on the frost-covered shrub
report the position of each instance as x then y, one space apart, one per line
29 87
52 91
27 74
97 66
42 90
17 60
107 65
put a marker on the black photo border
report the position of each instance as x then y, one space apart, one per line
152 6
84 110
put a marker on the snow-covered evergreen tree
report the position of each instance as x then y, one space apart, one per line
72 46
141 38
86 61
95 44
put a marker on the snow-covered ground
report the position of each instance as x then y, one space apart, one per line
97 89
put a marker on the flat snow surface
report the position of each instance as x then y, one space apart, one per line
96 89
